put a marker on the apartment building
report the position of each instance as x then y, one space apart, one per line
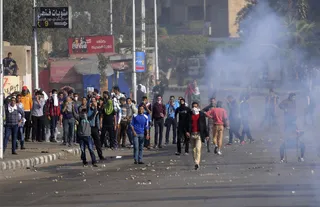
215 18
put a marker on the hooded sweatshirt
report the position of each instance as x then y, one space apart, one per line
183 113
84 128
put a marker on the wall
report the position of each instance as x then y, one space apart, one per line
22 54
234 7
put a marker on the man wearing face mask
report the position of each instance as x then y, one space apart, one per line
26 100
53 113
289 108
199 132
158 114
212 104
183 113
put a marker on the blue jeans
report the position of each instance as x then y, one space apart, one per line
87 142
11 130
68 130
138 143
130 134
20 136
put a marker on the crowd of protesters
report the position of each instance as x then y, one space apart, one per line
112 120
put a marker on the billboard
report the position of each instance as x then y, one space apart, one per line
140 62
91 44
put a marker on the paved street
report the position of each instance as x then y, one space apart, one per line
248 175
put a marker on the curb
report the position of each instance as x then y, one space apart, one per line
38 160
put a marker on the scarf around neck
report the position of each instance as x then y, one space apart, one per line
108 108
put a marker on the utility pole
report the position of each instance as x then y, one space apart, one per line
143 25
1 80
111 17
156 39
134 73
36 69
204 11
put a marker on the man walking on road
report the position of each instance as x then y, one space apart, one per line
53 113
234 119
212 104
147 111
171 107
220 119
199 132
26 100
158 114
245 113
183 113
139 126
12 113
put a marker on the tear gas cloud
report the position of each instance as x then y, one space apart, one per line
264 34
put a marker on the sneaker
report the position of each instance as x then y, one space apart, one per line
141 163
178 153
135 162
85 164
301 159
94 165
251 140
229 144
208 151
102 158
219 152
160 147
23 148
186 153
196 167
242 143
282 161
14 153
131 146
216 149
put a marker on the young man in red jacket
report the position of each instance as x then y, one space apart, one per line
53 113
199 132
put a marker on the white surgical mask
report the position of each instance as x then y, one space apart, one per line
195 110
76 98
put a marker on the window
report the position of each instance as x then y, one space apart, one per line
195 13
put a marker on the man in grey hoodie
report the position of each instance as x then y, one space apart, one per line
84 135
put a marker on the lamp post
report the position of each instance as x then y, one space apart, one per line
134 73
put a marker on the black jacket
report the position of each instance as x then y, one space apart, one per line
183 113
202 124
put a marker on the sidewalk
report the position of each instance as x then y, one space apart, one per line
35 154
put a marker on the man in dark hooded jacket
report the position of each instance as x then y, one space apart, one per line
183 113
234 119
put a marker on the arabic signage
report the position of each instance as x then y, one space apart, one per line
54 17
140 62
91 45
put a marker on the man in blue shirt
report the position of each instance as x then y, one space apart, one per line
170 120
139 126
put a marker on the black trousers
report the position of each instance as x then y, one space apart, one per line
182 137
27 125
147 141
112 137
38 133
158 131
171 122
96 139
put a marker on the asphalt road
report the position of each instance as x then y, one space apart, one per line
248 175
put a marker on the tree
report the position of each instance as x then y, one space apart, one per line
181 47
